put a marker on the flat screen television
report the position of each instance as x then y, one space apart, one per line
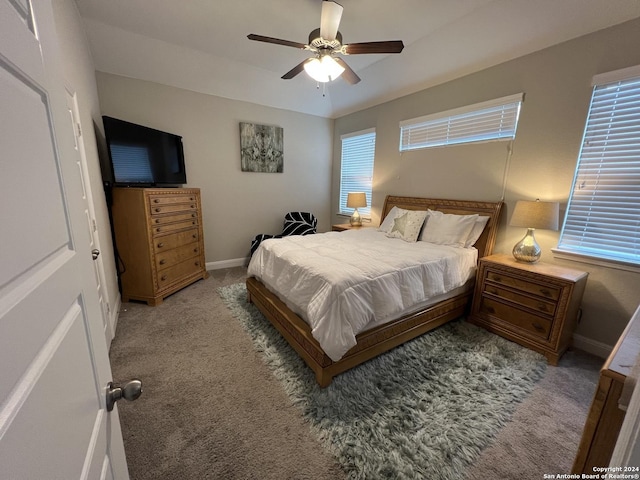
143 156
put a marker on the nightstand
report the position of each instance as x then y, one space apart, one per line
536 305
341 227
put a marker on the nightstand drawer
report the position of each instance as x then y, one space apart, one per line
536 303
534 324
524 285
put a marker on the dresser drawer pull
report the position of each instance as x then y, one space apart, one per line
542 307
160 245
197 264
497 278
194 236
193 223
193 215
163 261
158 210
490 309
157 220
193 206
538 327
195 250
158 229
192 199
545 292
156 201
163 278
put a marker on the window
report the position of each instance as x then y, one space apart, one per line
603 214
356 171
482 122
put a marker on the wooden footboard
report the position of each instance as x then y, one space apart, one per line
371 343
383 338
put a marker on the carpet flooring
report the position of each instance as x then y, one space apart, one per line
425 409
212 408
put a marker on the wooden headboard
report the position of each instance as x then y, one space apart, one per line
458 207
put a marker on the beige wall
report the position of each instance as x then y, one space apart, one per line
236 205
79 77
557 85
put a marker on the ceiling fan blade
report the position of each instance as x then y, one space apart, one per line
295 70
330 19
348 74
277 41
392 46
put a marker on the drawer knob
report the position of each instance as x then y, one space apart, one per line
545 292
157 220
538 327
191 198
193 223
163 261
163 278
542 307
193 215
194 236
491 310
160 245
156 201
158 229
195 250
193 206
157 210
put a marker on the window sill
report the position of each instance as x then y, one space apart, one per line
580 257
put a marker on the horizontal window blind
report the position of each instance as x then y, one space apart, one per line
356 171
603 214
493 120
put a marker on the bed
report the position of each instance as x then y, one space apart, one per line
377 337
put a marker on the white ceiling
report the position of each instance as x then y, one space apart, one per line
202 45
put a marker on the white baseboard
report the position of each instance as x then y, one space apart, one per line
234 262
594 347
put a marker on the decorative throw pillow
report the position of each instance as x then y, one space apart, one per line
407 224
448 229
476 231
387 223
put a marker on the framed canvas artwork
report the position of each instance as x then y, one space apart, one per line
261 148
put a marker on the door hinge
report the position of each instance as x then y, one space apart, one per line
79 129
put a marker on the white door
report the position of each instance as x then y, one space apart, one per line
90 215
54 365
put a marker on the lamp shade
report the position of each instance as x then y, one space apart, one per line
356 199
535 214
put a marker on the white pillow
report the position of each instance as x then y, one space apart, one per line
387 223
407 224
447 229
476 231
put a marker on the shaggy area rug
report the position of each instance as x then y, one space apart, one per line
425 409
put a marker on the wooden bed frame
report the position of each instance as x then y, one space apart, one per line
375 341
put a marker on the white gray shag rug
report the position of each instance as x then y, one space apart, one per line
424 410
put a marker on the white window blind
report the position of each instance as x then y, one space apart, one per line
493 120
356 171
603 214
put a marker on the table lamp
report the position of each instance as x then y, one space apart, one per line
532 215
356 200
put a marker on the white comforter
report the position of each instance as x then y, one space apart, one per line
340 282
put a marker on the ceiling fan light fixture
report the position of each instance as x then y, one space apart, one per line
324 69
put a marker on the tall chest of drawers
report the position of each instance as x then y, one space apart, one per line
535 305
159 241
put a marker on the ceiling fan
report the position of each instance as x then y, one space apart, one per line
326 44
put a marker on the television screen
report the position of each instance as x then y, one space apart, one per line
143 156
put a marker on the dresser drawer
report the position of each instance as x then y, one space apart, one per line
550 292
179 271
534 324
160 200
536 303
179 207
178 217
169 258
167 242
172 227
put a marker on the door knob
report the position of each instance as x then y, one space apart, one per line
95 253
130 391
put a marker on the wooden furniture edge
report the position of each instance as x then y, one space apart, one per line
375 341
